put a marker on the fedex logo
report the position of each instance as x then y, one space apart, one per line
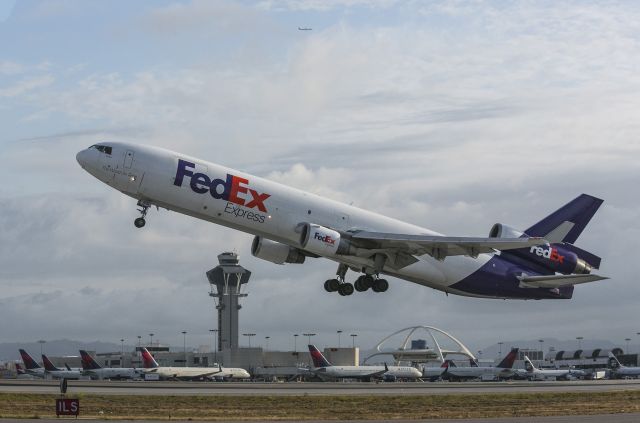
326 238
232 189
551 253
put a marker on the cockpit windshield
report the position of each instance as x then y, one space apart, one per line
102 148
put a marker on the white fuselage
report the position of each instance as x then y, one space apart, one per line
479 372
114 373
198 372
65 374
259 207
359 372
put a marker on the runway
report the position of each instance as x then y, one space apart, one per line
313 388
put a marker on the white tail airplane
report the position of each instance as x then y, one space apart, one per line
190 373
290 225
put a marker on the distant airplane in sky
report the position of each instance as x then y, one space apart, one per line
291 225
304 29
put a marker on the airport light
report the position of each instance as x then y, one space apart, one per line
541 341
121 351
249 335
41 342
295 339
214 333
151 339
580 338
353 340
266 338
500 346
627 339
339 332
309 335
139 341
184 346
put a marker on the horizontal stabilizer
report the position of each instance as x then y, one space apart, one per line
557 281
440 247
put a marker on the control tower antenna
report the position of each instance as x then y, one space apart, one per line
226 282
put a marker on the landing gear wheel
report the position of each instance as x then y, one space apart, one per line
367 281
380 285
345 289
332 285
139 222
359 284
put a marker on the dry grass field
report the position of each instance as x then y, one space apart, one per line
325 407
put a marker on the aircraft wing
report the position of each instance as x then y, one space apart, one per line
439 247
557 281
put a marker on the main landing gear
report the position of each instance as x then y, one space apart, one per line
363 283
144 208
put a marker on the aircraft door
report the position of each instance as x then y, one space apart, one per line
128 159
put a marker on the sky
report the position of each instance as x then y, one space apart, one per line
451 115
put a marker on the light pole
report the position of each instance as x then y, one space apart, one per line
249 335
500 346
309 335
214 333
151 339
266 338
353 340
41 342
295 339
121 352
184 346
627 339
580 338
541 341
139 341
339 333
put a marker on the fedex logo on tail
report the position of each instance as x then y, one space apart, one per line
550 253
233 189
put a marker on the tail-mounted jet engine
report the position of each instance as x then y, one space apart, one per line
275 252
555 257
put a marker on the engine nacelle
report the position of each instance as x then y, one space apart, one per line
500 230
558 259
275 252
324 241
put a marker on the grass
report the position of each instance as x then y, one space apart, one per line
306 407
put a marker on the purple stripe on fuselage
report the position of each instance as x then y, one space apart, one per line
497 278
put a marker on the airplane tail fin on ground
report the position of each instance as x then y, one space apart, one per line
318 359
528 365
48 365
613 361
29 362
19 369
88 362
567 223
147 359
509 359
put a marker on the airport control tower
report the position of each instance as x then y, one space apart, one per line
226 281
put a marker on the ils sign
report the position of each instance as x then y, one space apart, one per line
67 407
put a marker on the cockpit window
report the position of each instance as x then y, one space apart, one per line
102 148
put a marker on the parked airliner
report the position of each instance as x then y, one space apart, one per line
291 225
31 366
621 371
326 371
531 372
190 373
57 373
503 370
91 368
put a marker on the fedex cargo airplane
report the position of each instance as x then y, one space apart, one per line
291 225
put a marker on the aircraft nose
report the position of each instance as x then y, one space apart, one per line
81 157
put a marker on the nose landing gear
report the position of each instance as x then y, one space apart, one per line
144 208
